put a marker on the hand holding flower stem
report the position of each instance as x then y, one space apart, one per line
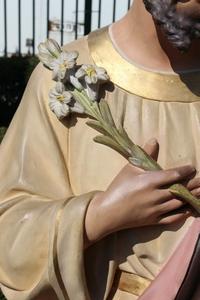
77 91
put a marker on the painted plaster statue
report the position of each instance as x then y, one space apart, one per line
77 221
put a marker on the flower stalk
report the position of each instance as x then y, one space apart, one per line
76 91
118 139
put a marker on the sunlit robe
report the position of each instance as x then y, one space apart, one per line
50 170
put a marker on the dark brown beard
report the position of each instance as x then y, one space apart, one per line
179 28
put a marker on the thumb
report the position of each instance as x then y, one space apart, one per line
152 148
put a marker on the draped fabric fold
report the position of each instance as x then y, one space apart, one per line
50 170
41 220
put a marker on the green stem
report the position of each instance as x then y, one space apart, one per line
93 110
138 157
86 103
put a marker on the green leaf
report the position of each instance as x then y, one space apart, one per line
85 102
105 140
181 191
106 113
124 134
145 160
135 162
97 126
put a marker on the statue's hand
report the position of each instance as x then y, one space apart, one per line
193 186
137 198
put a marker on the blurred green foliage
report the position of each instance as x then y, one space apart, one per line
2 296
15 72
2 132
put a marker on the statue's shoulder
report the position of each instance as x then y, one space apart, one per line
41 78
85 45
80 45
42 75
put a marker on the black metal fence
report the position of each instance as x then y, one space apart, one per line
15 64
88 15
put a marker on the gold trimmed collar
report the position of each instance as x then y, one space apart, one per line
157 86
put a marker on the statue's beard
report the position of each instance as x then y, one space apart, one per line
179 28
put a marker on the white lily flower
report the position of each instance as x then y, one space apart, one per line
48 52
62 103
76 107
92 91
94 76
66 61
53 47
59 100
70 77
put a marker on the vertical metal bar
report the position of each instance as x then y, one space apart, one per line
129 4
76 19
114 10
88 16
33 27
99 14
48 13
19 26
5 29
62 23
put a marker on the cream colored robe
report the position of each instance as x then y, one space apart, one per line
50 170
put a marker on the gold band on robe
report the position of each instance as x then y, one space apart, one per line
172 87
130 283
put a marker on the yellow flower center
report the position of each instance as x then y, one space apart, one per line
64 65
91 72
60 98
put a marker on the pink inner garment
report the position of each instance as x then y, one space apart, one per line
169 280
